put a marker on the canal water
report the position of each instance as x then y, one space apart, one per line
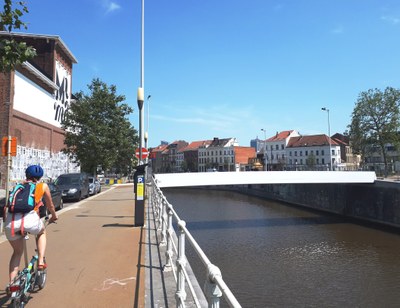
275 255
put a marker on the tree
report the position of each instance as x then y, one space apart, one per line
13 53
375 122
98 131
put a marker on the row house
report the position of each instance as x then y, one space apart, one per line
313 152
191 155
275 149
171 159
218 156
350 160
156 157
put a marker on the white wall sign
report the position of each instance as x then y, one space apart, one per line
33 100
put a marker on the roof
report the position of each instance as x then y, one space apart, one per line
160 148
196 144
216 142
310 141
242 154
280 136
56 38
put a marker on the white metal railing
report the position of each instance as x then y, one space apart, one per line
215 287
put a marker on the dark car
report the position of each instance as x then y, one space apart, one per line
74 186
56 197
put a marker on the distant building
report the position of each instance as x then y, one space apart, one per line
349 161
312 153
171 158
275 149
156 157
191 154
244 158
219 155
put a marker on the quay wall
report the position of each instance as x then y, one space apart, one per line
378 202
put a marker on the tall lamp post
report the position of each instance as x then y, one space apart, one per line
146 135
265 149
329 135
140 184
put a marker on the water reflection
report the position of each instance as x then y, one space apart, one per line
274 255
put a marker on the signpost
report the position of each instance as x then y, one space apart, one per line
145 153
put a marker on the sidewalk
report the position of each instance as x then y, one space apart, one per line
94 255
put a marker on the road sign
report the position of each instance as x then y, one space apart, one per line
145 153
4 146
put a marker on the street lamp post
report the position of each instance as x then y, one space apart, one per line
265 149
329 136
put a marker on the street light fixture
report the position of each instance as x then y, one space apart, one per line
265 149
329 136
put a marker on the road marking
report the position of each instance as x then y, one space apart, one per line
108 283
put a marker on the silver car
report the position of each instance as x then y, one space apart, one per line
94 186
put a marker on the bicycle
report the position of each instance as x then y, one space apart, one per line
27 279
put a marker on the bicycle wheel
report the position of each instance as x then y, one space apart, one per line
41 278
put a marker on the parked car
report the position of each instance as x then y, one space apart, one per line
74 186
56 197
94 186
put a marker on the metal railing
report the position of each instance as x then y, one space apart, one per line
214 287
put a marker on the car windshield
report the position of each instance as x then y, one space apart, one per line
67 181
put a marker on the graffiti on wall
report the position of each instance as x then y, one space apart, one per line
53 164
63 94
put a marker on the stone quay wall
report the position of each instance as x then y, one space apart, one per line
378 202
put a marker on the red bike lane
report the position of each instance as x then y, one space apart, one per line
94 255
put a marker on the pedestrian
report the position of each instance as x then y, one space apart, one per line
18 221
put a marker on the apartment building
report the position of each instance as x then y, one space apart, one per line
314 152
275 149
191 155
218 156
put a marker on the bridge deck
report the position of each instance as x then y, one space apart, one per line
263 177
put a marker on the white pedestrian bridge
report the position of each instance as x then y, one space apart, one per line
263 177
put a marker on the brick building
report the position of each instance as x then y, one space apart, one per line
33 101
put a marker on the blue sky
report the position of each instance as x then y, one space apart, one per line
219 68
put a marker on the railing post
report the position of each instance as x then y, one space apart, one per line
163 223
211 289
180 294
160 210
169 253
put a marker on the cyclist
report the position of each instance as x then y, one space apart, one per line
30 222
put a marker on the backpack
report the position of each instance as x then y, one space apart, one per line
22 198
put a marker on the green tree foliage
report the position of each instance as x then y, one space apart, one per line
375 122
98 131
13 53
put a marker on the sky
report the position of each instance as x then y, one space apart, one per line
230 68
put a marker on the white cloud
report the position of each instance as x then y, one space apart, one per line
391 19
111 6
337 30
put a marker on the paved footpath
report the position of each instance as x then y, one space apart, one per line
94 255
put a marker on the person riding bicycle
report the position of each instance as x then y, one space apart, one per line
16 223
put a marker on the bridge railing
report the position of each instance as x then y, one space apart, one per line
176 259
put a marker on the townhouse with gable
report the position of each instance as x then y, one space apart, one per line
275 149
191 154
33 101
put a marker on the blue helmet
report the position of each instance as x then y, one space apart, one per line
34 171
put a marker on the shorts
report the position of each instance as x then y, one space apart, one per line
32 224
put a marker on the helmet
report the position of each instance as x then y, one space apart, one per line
34 171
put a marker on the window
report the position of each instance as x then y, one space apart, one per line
290 153
301 153
282 147
322 152
272 147
277 147
295 153
323 161
306 153
317 152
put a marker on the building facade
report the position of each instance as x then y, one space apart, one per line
33 101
